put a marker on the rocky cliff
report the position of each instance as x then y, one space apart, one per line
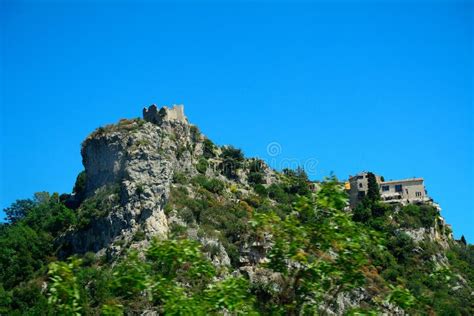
233 236
132 164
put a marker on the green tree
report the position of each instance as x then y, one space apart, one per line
23 251
18 210
303 242
232 160
373 192
27 242
296 181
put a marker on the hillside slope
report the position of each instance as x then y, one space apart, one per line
163 221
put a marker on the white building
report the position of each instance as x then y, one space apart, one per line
404 191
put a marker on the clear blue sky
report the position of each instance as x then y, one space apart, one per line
379 86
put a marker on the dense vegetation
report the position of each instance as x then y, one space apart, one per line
315 251
441 279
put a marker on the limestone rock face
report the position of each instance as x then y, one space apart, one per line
130 165
439 233
138 158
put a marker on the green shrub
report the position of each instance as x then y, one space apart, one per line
361 213
212 249
208 149
199 180
168 208
180 151
256 165
88 259
98 205
195 133
180 178
177 231
277 193
260 190
124 125
212 185
296 181
417 216
401 297
140 189
256 175
381 209
232 160
401 246
27 299
202 165
255 178
207 231
186 215
390 274
139 236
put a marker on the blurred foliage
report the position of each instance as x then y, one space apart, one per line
318 251
63 291
415 266
315 251
174 278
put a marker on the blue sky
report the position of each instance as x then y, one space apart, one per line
380 86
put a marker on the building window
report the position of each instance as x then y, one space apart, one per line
385 188
361 194
398 188
418 194
360 185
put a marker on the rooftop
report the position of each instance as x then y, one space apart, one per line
403 180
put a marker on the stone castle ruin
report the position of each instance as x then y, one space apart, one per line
157 116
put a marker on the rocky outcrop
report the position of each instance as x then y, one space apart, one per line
139 158
439 233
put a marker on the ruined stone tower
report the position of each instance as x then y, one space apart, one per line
153 115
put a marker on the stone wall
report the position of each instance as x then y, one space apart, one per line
158 116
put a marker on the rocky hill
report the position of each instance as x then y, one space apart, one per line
132 165
163 221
